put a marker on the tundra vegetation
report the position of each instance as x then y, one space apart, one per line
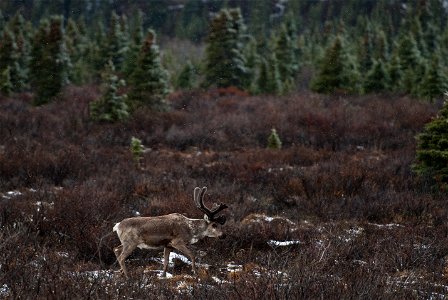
346 200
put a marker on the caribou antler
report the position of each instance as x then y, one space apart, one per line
210 213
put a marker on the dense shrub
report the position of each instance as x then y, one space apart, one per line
341 186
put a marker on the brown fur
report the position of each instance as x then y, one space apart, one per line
173 231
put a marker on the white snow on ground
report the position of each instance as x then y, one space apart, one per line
159 274
174 255
11 194
98 274
4 291
219 280
388 226
351 234
261 217
408 282
273 243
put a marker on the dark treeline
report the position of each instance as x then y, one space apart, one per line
259 47
189 18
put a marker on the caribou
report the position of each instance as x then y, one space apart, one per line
170 232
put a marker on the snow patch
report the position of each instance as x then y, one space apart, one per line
388 226
4 290
273 243
11 194
174 255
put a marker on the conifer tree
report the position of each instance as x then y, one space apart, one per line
187 76
274 141
381 46
225 63
377 79
338 71
49 62
2 21
116 44
286 52
77 49
411 61
137 149
21 33
269 80
6 86
366 49
395 73
252 64
9 59
432 150
435 81
149 80
111 106
134 45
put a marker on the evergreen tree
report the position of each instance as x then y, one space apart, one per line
6 86
269 80
77 49
21 33
135 44
274 141
381 46
366 49
111 106
186 79
9 59
2 21
149 80
225 63
435 81
377 78
338 71
395 73
137 149
411 61
116 44
49 62
287 53
432 150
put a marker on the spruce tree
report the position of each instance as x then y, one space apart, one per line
412 64
186 79
366 50
269 80
116 43
135 44
432 150
286 52
338 71
77 48
149 80
225 63
435 81
381 46
49 62
111 106
9 59
22 33
377 79
137 149
6 86
252 64
274 141
395 73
